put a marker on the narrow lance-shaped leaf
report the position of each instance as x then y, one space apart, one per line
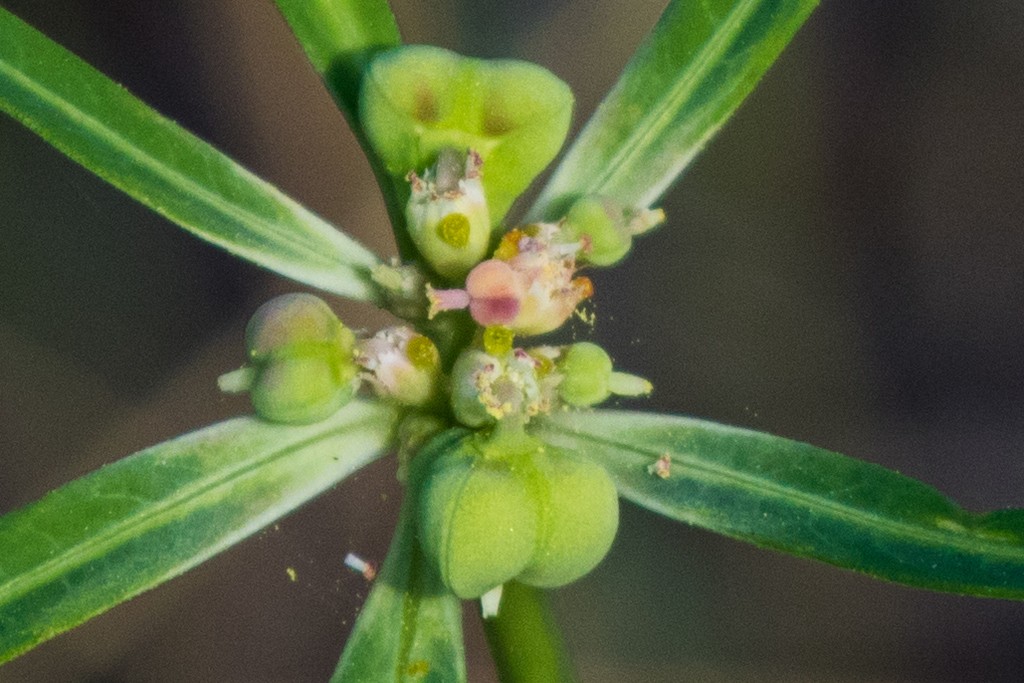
339 38
103 127
410 628
132 525
800 499
700 62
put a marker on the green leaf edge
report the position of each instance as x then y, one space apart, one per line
395 631
372 422
56 95
988 549
644 129
340 37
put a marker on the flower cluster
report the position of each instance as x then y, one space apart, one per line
304 364
493 503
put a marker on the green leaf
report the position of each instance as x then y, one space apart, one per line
702 59
132 525
101 126
802 500
340 37
410 628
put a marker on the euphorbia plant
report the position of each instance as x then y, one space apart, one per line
508 470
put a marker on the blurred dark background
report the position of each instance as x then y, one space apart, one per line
843 265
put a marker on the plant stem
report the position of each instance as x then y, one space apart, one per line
525 641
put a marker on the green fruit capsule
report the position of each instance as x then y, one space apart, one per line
477 516
585 368
578 510
588 379
301 361
599 223
299 390
417 100
606 229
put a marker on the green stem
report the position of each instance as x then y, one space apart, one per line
525 641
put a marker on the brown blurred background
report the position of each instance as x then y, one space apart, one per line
844 265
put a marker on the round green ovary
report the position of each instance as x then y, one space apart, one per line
602 222
301 360
579 515
586 369
293 319
299 389
478 521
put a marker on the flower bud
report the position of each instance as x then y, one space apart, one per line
477 518
588 379
417 100
578 513
301 367
401 365
605 229
447 214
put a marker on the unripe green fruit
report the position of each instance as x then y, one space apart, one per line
477 516
601 223
301 366
418 99
578 508
586 369
290 321
299 390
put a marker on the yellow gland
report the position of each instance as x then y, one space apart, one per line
454 229
422 353
508 248
498 340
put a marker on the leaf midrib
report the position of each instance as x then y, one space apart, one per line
136 523
843 512
233 211
663 114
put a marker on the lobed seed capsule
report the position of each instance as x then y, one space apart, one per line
301 367
507 507
477 517
417 100
578 511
